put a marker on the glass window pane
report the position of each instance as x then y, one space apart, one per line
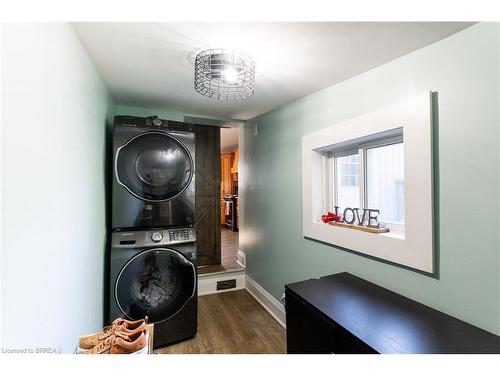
347 184
385 182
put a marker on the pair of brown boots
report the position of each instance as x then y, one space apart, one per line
121 337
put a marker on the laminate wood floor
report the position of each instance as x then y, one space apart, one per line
232 323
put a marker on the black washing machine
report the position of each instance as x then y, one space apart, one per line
154 168
153 273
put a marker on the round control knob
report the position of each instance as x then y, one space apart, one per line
157 236
157 122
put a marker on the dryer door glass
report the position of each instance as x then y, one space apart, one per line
154 166
156 283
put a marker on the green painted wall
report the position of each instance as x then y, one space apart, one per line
465 70
55 109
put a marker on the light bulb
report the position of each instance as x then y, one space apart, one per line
230 75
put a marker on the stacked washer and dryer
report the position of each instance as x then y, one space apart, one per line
153 240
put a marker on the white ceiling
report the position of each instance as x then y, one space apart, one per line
151 64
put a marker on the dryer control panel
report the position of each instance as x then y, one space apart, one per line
153 237
153 122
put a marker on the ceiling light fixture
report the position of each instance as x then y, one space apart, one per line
224 74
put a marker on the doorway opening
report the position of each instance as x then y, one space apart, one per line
230 198
231 258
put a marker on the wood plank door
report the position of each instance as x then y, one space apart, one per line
208 181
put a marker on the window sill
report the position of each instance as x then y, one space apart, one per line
395 235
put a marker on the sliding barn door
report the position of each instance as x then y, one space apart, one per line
207 220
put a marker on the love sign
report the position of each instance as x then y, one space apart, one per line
368 217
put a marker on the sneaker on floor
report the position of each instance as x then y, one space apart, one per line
120 343
118 325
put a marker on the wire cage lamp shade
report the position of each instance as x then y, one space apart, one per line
224 74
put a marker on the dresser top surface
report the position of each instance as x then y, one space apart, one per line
389 322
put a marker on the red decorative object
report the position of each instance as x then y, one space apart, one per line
330 216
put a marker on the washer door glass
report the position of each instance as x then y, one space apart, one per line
154 166
156 283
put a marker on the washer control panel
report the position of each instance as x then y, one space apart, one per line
170 236
153 237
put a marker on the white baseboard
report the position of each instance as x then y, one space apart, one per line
207 284
268 302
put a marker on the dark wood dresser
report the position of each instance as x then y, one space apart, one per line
344 314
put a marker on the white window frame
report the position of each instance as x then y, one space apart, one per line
334 198
414 249
360 149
